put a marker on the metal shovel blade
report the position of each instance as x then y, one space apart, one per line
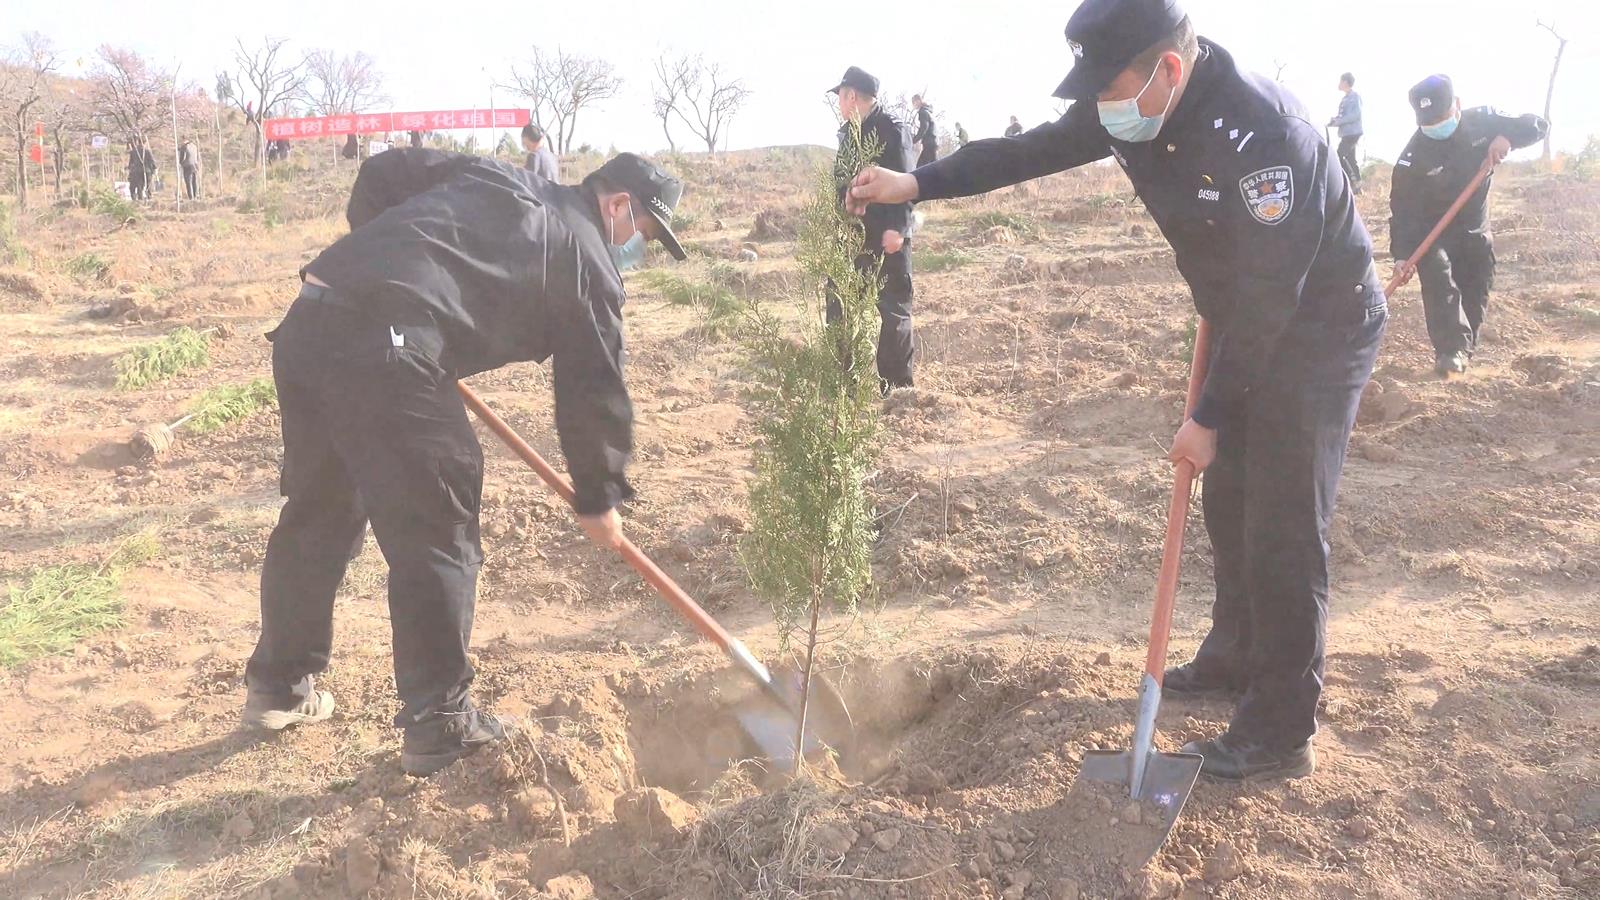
1168 780
772 719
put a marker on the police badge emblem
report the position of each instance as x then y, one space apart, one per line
1076 48
1269 194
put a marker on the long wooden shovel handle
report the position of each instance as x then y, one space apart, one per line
1399 276
661 581
1155 661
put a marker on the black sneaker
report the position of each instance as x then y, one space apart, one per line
1229 759
272 713
446 737
1449 364
1191 679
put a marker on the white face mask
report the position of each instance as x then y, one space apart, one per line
1123 120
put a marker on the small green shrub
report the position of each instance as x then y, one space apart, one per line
183 349
90 267
939 261
54 608
230 403
1024 226
108 202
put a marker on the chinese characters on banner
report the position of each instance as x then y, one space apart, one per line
377 123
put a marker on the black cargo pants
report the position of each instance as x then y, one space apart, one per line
895 337
1347 158
1457 274
1268 500
373 430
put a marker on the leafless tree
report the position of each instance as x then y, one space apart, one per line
1281 66
134 95
1550 92
24 81
342 84
66 114
667 91
267 78
560 85
710 100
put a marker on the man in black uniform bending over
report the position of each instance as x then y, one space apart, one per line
454 265
1266 234
887 224
1449 146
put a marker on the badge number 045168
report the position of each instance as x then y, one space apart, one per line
1269 193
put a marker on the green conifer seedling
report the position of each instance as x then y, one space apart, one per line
809 550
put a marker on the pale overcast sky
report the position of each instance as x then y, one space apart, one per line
977 62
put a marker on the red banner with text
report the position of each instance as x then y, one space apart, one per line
378 123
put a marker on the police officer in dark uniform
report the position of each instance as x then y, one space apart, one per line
1448 148
1265 231
454 264
888 242
927 136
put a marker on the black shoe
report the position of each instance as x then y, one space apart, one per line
273 713
1451 363
1229 759
1191 679
446 737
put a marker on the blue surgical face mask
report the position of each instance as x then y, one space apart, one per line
1441 131
1123 120
631 252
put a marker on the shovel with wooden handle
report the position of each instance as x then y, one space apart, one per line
1161 780
772 724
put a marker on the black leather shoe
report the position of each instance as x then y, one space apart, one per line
446 737
1230 759
1192 679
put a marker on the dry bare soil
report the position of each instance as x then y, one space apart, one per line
1021 492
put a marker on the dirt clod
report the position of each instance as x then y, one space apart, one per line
653 812
571 886
362 866
1225 863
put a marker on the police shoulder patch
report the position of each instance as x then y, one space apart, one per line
1269 193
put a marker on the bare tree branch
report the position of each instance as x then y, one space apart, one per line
342 84
1550 92
265 81
27 71
667 91
560 85
710 100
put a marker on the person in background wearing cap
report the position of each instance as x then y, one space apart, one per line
1014 129
541 161
454 264
1348 121
927 136
1265 231
888 244
1448 148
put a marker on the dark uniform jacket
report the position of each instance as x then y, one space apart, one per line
1242 185
492 264
1430 175
881 127
925 132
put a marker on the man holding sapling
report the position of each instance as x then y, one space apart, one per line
888 241
1265 231
454 265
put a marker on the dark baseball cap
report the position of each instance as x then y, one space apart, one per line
1431 99
856 78
1105 35
652 188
